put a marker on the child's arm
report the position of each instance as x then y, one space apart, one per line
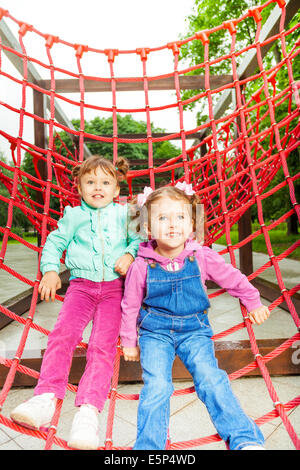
133 241
57 241
134 293
123 263
236 284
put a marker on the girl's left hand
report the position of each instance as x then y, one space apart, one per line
131 354
123 263
259 315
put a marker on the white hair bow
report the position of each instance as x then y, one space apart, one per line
186 188
142 197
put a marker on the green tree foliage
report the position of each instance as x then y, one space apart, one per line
126 125
19 221
208 14
104 127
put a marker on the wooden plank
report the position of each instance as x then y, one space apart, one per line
188 82
20 304
155 135
231 355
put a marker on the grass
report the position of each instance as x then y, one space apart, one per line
28 237
280 241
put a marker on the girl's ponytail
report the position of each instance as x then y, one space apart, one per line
122 167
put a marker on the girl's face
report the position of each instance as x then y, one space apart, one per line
171 223
98 188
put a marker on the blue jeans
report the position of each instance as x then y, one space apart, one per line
196 351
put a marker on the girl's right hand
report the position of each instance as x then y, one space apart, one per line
49 284
131 354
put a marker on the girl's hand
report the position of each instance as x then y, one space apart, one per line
131 354
259 315
49 284
123 263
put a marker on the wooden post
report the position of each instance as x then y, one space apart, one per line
244 223
246 254
40 141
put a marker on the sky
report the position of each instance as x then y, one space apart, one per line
112 24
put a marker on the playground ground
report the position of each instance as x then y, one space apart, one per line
189 418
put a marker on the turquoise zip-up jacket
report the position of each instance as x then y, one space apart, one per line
93 239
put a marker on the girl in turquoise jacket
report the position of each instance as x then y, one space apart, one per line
99 250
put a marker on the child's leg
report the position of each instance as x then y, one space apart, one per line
76 312
213 388
94 385
157 356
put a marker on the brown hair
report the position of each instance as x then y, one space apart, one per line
118 171
141 216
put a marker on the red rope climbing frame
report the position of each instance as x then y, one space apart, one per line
242 156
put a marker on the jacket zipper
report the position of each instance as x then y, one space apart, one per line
102 243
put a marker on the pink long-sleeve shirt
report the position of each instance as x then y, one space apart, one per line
212 267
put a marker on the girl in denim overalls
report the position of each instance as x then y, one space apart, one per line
166 298
99 250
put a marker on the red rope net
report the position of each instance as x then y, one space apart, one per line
231 168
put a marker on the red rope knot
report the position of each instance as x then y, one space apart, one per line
111 54
230 25
256 96
277 403
24 27
143 52
13 146
255 12
281 3
272 78
3 13
174 47
80 49
203 36
50 40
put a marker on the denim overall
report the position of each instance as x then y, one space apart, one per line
173 321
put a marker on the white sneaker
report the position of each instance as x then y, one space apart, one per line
85 429
253 448
35 413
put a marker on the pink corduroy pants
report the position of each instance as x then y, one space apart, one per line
85 301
